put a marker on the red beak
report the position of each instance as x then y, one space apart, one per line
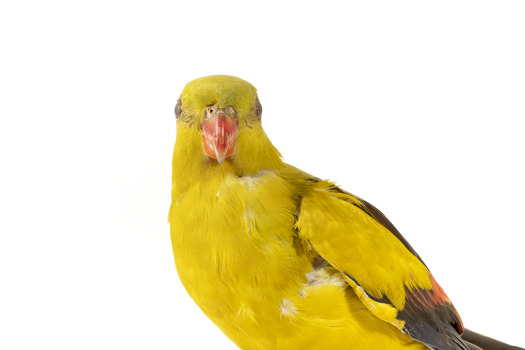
218 135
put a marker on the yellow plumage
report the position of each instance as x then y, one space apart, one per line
276 258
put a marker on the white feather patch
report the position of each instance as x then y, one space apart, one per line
323 276
288 308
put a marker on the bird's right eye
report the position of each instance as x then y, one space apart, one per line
178 109
210 110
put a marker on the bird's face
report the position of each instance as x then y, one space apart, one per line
218 107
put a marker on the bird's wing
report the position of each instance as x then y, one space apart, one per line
378 263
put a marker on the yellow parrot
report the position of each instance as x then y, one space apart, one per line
280 259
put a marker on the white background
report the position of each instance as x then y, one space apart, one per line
417 107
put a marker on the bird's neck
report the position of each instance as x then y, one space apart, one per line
254 153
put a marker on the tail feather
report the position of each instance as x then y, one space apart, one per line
485 343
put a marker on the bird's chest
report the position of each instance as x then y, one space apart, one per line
235 246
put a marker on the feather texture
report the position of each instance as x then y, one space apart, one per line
279 259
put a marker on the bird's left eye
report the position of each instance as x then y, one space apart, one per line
178 109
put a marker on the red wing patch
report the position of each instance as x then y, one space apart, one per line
431 318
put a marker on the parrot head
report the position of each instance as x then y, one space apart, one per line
224 112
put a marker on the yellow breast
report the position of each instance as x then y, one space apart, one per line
240 259
233 242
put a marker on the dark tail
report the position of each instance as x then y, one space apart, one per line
485 343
